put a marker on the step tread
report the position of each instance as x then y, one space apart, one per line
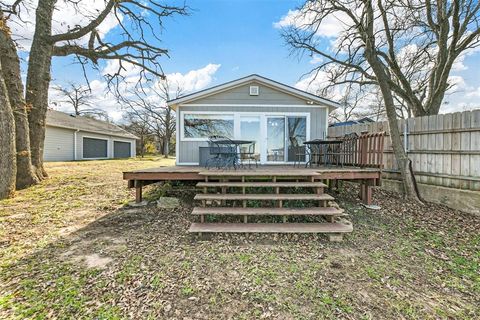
272 227
255 196
262 184
259 173
267 211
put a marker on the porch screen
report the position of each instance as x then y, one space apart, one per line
205 125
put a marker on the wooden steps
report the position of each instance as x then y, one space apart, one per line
235 211
268 196
259 184
218 184
271 227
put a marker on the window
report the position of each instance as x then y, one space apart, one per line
205 125
94 148
250 130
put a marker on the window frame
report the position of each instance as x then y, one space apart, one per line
182 123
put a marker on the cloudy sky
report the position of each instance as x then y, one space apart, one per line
223 40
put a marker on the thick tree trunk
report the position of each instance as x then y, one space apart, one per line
38 82
403 162
8 165
11 71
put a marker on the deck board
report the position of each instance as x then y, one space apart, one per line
193 172
255 184
276 196
271 227
234 211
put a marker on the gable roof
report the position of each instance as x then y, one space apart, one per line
67 121
262 80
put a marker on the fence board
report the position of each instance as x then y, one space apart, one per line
444 149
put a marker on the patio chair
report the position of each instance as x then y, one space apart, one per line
248 154
224 155
301 154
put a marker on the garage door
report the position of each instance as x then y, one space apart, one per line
94 148
121 149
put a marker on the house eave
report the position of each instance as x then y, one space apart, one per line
308 97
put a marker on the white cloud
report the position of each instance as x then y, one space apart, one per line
316 59
102 99
331 26
195 79
66 16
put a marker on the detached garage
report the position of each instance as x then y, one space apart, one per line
70 137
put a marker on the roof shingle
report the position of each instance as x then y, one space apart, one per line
64 120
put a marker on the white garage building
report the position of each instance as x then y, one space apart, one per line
69 137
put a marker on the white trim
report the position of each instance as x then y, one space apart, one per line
91 137
187 164
75 144
177 138
182 121
252 105
262 80
92 131
236 116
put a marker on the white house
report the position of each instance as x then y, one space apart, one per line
69 137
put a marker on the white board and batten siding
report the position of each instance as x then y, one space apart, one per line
239 101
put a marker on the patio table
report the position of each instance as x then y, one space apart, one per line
237 144
320 144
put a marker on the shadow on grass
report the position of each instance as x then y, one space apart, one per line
142 263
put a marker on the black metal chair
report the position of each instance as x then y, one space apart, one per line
224 155
248 154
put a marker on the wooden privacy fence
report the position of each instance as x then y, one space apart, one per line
444 149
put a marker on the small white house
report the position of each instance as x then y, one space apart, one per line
277 117
69 137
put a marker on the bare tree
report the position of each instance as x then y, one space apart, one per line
7 142
352 104
136 44
80 99
150 105
12 79
420 41
139 127
363 50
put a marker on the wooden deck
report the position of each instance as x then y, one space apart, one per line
367 177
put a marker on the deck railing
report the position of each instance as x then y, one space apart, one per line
364 150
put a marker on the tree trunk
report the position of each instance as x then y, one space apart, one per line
13 81
8 165
404 163
166 145
38 82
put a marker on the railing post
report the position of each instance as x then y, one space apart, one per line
363 148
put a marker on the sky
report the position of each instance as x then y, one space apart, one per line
222 40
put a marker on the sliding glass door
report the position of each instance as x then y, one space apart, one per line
275 139
296 136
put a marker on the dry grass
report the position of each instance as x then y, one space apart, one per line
70 249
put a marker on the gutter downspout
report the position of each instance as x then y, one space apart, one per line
75 144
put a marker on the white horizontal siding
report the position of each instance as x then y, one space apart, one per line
58 144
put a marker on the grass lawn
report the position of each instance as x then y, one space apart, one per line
71 248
